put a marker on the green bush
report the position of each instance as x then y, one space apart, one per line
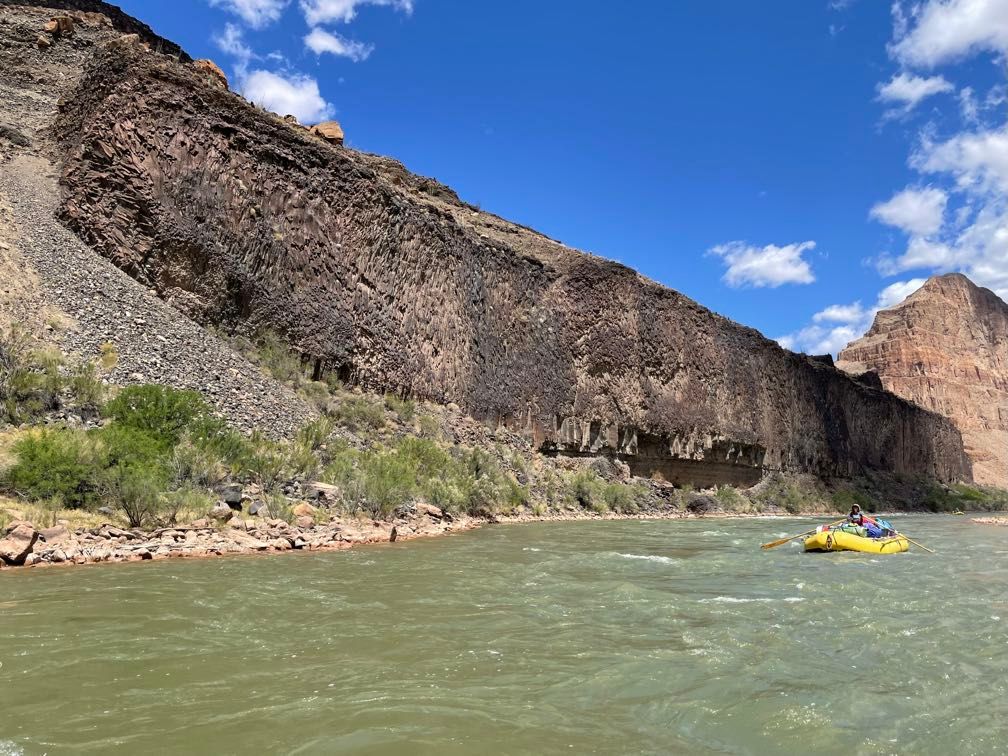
623 498
56 463
316 433
430 427
404 409
845 498
190 500
316 393
86 388
584 488
191 464
359 414
217 438
279 508
415 469
30 382
161 412
302 462
342 465
125 445
277 358
136 489
788 495
267 463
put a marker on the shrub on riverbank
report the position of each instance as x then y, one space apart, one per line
460 481
965 498
35 380
159 450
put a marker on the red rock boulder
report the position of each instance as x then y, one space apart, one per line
212 72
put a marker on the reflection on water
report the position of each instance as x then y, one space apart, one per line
612 637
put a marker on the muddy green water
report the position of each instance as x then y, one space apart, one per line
594 637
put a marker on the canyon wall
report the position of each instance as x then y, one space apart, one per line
946 348
242 220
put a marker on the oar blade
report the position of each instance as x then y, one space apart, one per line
775 544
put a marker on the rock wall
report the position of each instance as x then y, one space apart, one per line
241 219
946 348
118 20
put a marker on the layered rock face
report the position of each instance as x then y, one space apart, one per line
241 219
946 348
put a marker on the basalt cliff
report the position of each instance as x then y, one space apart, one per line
946 348
244 221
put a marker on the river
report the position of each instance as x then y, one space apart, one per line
585 637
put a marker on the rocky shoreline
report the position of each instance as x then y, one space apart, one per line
22 545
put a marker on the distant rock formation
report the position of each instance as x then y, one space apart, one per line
945 348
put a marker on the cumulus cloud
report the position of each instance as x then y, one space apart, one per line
769 266
232 42
916 211
840 313
836 326
946 30
256 13
320 41
978 161
960 223
331 11
906 90
293 93
975 164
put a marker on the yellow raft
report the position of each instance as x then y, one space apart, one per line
839 540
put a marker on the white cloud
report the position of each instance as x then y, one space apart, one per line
907 89
331 11
764 266
851 321
840 313
232 42
320 41
916 211
816 339
256 13
945 30
968 105
975 242
895 293
294 93
977 160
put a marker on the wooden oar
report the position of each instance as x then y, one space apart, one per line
775 544
929 551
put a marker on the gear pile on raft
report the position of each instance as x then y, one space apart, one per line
858 532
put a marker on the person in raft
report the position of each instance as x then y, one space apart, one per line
855 515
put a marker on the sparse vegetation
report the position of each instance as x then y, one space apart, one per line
962 497
590 491
845 498
404 409
109 356
790 494
359 413
161 454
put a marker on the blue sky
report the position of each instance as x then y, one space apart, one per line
793 165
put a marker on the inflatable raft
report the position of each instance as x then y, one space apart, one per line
842 540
